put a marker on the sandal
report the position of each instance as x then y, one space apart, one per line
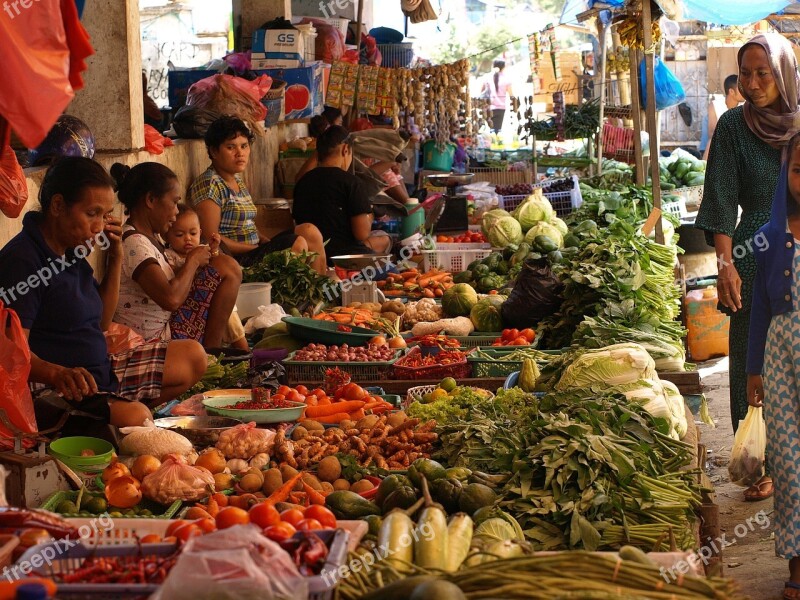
791 591
761 490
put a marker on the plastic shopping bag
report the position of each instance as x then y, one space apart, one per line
154 142
232 96
121 338
238 563
669 90
749 446
15 366
13 187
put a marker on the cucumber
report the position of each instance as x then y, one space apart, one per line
395 538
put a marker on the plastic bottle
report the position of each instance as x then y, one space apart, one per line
707 327
32 591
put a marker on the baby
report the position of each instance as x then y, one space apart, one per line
183 237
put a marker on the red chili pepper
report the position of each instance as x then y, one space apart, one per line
369 494
344 328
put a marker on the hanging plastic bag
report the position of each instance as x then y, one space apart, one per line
232 96
121 338
154 142
13 187
536 295
669 90
191 122
749 447
238 563
15 367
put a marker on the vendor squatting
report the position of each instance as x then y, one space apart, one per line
45 274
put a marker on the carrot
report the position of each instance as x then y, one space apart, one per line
311 400
314 497
341 318
334 418
409 275
355 415
340 407
374 404
282 493
428 278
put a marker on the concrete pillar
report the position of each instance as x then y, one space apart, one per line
249 15
111 101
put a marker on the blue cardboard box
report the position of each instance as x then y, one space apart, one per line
179 82
304 90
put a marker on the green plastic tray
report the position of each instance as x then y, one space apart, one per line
298 371
325 332
159 510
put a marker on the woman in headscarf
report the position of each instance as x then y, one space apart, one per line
742 172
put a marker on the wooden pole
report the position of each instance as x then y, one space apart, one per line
603 31
636 114
652 113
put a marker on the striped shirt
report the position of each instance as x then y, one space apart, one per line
238 213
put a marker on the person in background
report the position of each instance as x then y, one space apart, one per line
773 352
225 206
183 237
152 114
742 172
499 94
716 107
332 199
65 317
202 293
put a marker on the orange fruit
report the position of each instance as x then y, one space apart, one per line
150 538
230 516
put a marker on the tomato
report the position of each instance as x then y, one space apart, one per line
207 525
174 527
301 389
278 397
230 516
321 514
520 341
188 531
280 532
295 396
308 525
441 238
283 390
352 391
509 334
528 334
150 538
292 516
170 540
264 514
319 393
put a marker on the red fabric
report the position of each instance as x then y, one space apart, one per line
35 50
80 47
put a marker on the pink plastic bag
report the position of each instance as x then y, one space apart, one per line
121 338
13 187
154 142
230 95
239 61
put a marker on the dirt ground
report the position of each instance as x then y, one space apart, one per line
750 559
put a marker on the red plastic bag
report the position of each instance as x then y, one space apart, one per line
36 58
15 367
121 338
154 142
13 187
329 45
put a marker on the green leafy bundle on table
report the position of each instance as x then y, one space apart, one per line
294 282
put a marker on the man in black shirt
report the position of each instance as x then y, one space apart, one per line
334 200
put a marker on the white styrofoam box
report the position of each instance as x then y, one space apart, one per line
359 292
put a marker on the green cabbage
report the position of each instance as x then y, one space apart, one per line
544 228
534 209
490 217
678 408
495 530
560 225
505 231
619 364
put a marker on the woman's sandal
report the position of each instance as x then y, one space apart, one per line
760 490
791 591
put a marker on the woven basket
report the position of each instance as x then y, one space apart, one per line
276 90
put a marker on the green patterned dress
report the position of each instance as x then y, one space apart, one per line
742 172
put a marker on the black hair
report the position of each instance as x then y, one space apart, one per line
499 65
731 83
69 176
331 114
317 126
333 136
224 129
185 209
133 184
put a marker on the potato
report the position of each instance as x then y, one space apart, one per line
287 472
395 419
327 487
258 473
362 485
367 422
347 424
250 483
329 469
311 425
272 481
312 481
341 484
299 433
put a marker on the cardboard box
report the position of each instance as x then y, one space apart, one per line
179 82
304 96
546 84
272 221
280 44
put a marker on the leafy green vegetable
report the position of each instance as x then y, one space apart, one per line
294 282
615 365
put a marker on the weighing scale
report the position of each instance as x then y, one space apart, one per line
449 213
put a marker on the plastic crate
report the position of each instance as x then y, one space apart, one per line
121 533
70 559
454 257
693 196
160 511
565 202
476 341
299 371
397 56
459 370
675 208
510 203
503 176
421 390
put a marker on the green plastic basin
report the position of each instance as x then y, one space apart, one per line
68 450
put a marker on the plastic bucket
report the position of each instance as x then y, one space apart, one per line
435 160
251 296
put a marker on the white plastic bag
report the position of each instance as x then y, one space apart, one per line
749 446
267 316
238 563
